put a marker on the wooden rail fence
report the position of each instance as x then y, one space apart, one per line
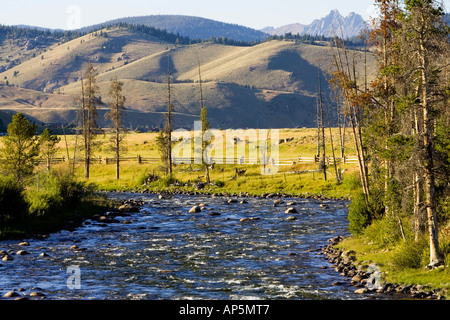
280 162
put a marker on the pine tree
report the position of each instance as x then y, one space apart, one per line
47 146
426 38
20 148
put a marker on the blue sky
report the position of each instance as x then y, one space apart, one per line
252 13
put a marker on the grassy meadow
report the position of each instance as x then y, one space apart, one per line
288 179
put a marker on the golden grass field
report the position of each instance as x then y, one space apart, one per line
287 180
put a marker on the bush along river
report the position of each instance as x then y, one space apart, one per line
186 247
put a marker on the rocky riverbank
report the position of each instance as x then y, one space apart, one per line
366 277
201 192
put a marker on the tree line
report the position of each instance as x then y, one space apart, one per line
401 123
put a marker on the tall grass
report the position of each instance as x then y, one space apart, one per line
54 191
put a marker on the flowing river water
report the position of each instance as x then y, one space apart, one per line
165 252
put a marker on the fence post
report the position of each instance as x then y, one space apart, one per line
139 159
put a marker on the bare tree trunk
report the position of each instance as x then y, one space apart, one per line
430 193
322 123
169 117
205 125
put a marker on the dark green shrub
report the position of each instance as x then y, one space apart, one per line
411 254
359 215
219 183
12 201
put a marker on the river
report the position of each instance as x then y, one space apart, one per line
165 252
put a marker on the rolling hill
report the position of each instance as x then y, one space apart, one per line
192 27
273 84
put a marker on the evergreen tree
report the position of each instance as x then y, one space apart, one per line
20 148
47 146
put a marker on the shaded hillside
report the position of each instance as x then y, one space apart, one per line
272 84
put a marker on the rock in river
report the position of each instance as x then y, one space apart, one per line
291 210
195 209
128 207
7 258
11 294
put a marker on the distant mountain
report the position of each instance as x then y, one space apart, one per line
292 28
333 23
447 18
192 27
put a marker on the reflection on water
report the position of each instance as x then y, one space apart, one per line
165 252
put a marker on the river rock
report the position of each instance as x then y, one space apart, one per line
11 294
348 253
291 210
24 244
361 290
232 201
357 278
243 201
214 213
277 202
43 255
128 207
7 257
22 252
291 203
245 220
195 209
37 294
291 218
107 219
